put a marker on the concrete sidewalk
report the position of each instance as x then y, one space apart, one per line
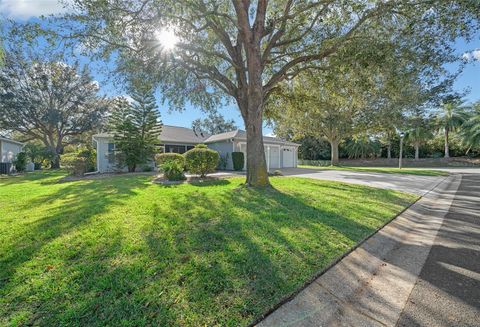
447 292
371 285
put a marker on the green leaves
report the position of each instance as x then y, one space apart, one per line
136 127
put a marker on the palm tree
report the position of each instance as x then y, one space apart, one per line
450 118
471 127
419 133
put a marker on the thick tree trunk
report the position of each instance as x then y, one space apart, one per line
257 174
417 152
447 154
334 152
389 151
55 163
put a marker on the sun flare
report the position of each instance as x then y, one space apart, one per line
167 39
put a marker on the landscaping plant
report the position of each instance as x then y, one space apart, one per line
21 162
173 170
238 160
201 160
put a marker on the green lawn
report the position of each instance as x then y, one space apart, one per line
385 170
122 251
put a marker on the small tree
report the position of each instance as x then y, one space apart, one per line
136 127
449 118
201 160
21 161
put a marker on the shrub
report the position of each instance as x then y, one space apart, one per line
238 160
21 161
223 162
74 163
173 170
162 158
90 156
201 160
147 168
277 173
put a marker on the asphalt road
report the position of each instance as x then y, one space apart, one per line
399 182
447 292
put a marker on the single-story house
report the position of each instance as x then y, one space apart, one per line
9 149
278 153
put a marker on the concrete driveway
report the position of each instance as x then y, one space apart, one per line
400 182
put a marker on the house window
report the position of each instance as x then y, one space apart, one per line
189 147
111 153
175 148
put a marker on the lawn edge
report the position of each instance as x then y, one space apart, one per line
309 281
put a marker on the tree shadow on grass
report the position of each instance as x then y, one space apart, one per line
243 252
77 204
204 255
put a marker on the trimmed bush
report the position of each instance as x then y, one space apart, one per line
201 160
21 161
173 170
238 159
74 163
162 158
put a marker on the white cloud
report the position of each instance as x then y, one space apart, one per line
24 9
472 55
476 54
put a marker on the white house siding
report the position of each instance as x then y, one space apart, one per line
9 150
273 154
223 148
103 163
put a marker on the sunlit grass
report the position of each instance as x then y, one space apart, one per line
385 170
122 251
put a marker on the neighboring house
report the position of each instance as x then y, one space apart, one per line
278 153
9 149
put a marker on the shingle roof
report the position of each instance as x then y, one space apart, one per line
242 135
181 134
172 134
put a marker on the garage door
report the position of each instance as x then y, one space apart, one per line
288 155
274 161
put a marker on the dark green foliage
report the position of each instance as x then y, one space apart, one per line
173 170
136 127
363 147
90 155
74 164
21 162
162 158
238 159
79 162
201 160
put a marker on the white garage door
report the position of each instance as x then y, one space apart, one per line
274 161
288 157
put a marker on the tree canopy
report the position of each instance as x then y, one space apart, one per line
201 52
48 101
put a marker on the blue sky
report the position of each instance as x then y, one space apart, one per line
23 10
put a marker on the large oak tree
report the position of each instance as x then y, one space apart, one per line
51 102
242 49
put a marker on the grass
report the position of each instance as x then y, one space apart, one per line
385 170
122 251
